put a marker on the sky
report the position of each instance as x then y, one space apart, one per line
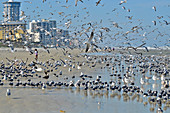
104 15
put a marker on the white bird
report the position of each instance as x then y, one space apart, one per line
142 81
154 8
69 69
60 73
39 69
11 47
126 80
77 84
121 2
73 66
8 92
154 77
81 74
89 41
162 77
23 18
18 28
67 24
22 13
78 67
159 110
43 86
154 22
5 77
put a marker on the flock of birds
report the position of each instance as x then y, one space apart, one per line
128 33
124 74
124 69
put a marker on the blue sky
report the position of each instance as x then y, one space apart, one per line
86 12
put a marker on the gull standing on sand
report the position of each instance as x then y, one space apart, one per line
11 47
60 73
8 92
46 75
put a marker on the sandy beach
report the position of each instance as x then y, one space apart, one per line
34 100
64 100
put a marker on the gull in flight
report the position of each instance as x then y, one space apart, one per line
154 8
97 3
77 1
89 40
121 2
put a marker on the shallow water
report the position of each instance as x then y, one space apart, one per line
72 100
52 101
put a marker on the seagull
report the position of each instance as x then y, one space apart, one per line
89 41
167 23
146 48
44 1
69 69
106 29
44 86
12 47
8 93
78 67
39 69
77 1
28 48
129 17
154 8
48 51
60 13
18 27
100 36
60 73
23 18
123 7
46 75
121 2
116 25
22 13
67 24
97 3
128 10
154 22
159 17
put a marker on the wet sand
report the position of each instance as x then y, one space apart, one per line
34 100
58 100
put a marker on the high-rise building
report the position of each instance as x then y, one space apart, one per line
45 32
11 10
46 29
12 28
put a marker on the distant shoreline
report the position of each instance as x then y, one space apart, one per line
130 51
150 48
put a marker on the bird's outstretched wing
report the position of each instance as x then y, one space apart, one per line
94 45
91 36
146 48
142 45
62 61
87 35
87 47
